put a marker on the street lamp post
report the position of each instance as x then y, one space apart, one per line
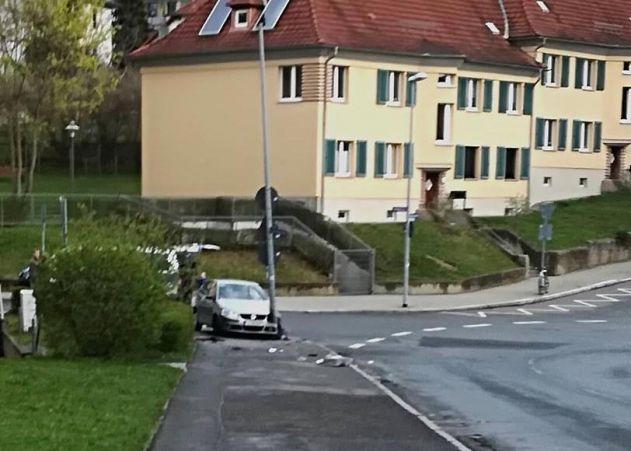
412 80
72 128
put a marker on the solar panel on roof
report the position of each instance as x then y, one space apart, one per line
271 14
216 20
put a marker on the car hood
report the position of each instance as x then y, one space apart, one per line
245 306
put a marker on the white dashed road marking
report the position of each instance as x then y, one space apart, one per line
472 326
585 303
357 346
401 334
524 323
560 309
375 340
435 329
591 321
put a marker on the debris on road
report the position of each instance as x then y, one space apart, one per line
334 360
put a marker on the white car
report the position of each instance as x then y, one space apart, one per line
235 306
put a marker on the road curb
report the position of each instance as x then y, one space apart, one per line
516 302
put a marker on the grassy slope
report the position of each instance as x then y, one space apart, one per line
244 265
17 245
469 254
574 221
93 184
79 405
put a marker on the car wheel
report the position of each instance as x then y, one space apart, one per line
218 328
198 325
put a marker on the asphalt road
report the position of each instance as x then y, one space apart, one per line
553 376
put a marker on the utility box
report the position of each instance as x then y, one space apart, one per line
28 309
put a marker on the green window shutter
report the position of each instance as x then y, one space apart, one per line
488 96
562 134
382 86
539 124
462 93
529 90
459 169
578 79
360 159
500 163
565 71
598 136
525 163
503 96
576 135
407 160
484 163
380 150
329 157
600 81
410 93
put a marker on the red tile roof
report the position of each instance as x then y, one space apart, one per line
605 22
444 27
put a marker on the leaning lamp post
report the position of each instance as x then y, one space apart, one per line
72 128
412 80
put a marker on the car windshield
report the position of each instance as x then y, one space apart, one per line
239 291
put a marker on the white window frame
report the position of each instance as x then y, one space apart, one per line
238 15
391 161
337 94
584 138
547 180
549 133
293 83
447 83
394 88
473 97
551 73
512 98
626 67
448 107
343 159
588 75
626 91
543 6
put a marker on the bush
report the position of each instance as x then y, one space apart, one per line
176 328
99 301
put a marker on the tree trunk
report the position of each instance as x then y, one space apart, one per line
19 157
34 156
11 131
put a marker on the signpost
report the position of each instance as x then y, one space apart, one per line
545 234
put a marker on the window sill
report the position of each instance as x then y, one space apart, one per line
547 148
468 179
551 85
512 180
347 175
626 72
470 109
443 143
512 113
587 88
445 85
625 121
291 100
393 104
337 100
584 151
390 176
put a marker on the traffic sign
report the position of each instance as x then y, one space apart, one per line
545 232
546 209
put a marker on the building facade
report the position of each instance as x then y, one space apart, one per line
514 108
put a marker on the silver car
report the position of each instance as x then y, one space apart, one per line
235 306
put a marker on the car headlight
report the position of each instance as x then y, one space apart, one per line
229 314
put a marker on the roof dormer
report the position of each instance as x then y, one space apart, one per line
244 13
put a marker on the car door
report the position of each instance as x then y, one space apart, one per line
205 303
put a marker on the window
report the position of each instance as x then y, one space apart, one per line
626 104
584 136
471 163
543 6
547 181
291 83
241 18
391 161
582 182
491 26
339 83
549 129
626 67
443 124
171 8
343 159
511 164
473 87
394 87
512 98
509 211
445 80
550 74
587 74
343 214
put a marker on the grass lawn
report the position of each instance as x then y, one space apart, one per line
17 245
58 183
463 253
574 222
50 405
12 327
244 265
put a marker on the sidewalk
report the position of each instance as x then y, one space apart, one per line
524 292
246 395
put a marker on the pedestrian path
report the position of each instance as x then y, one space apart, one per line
520 293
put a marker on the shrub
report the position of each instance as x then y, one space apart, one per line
99 301
176 329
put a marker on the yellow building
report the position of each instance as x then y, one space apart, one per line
515 108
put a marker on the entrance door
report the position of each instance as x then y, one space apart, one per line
432 189
615 163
